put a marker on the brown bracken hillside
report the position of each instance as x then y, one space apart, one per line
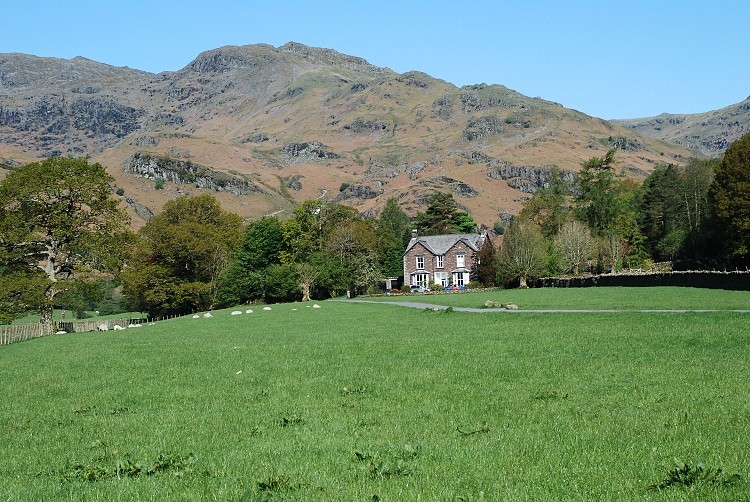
265 128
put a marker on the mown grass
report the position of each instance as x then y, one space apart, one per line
621 298
366 402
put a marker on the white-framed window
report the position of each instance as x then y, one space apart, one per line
460 278
420 262
460 260
439 261
421 280
441 278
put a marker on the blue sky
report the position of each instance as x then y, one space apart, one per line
625 59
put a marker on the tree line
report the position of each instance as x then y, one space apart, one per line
695 217
65 240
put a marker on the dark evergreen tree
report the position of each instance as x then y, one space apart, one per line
443 216
661 212
393 230
730 192
602 198
549 207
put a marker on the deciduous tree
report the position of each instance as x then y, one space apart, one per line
58 217
523 253
575 245
180 255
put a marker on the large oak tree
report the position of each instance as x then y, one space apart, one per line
58 221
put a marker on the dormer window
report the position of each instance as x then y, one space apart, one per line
420 262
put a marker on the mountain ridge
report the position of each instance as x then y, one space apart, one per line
299 122
709 133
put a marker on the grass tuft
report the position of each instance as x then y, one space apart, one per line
685 475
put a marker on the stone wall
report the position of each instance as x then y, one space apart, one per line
736 280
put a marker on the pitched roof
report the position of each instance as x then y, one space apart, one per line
440 244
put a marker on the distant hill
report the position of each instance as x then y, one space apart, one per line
709 133
265 128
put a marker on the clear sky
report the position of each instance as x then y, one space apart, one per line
605 58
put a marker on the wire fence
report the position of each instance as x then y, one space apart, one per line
21 332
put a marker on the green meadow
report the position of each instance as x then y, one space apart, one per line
376 402
612 298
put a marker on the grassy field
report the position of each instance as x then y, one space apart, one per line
622 298
372 402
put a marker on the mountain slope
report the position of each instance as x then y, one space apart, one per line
709 133
266 128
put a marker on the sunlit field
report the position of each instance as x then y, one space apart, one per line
377 402
620 298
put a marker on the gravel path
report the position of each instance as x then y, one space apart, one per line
423 306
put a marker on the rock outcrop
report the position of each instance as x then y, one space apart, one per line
530 179
179 171
357 191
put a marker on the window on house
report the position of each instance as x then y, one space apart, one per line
421 280
460 278
439 261
420 262
441 278
460 262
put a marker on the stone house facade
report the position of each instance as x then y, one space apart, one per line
447 260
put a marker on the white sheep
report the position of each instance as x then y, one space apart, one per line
236 312
207 315
316 306
196 316
117 327
266 308
249 311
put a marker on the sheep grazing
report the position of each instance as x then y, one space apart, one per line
134 325
196 316
316 306
249 311
236 312
117 327
103 327
61 332
207 315
266 308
